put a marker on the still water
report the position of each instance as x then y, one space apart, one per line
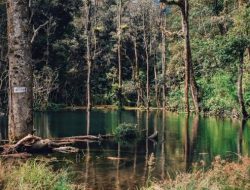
181 142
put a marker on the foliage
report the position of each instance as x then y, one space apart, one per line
126 131
219 34
219 93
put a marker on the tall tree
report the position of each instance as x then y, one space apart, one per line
88 50
119 36
189 72
20 69
147 58
163 60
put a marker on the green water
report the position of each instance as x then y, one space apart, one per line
181 142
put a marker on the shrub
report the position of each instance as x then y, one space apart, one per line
126 131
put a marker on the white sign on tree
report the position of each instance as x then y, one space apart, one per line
18 90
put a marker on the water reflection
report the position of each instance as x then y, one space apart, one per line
182 140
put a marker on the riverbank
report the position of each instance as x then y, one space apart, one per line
60 107
39 175
222 175
221 114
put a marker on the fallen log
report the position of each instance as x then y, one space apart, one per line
34 144
22 145
66 149
22 155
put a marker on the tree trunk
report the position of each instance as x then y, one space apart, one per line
137 74
163 60
88 52
20 70
119 32
156 88
189 73
187 57
147 60
240 89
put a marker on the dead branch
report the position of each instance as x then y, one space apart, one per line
35 31
66 149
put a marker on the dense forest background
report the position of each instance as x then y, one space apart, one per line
130 53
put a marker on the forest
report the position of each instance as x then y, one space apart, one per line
139 88
131 53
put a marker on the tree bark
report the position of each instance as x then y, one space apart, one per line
240 89
20 70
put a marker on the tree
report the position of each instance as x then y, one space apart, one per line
189 72
119 35
20 70
163 60
88 50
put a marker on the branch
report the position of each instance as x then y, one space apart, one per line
171 2
168 33
37 30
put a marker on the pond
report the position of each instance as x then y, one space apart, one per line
181 142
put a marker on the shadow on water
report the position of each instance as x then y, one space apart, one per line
181 141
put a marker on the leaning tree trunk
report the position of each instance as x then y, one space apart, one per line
20 70
187 58
189 74
240 90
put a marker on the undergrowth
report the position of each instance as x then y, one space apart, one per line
32 175
222 175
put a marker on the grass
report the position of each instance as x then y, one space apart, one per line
221 176
32 175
